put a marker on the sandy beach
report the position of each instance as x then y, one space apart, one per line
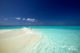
15 40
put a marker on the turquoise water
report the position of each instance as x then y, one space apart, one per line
55 39
42 27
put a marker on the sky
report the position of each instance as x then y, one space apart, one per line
40 12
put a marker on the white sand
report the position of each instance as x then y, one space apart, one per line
14 40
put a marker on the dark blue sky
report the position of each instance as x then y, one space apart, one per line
40 12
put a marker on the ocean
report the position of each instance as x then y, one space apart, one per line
54 39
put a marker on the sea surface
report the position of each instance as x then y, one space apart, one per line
54 39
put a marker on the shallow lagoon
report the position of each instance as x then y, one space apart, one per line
55 39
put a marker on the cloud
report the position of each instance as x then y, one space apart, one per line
31 19
18 18
27 19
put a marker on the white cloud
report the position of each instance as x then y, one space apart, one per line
18 18
31 19
27 19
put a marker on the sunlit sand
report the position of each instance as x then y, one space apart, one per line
15 40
